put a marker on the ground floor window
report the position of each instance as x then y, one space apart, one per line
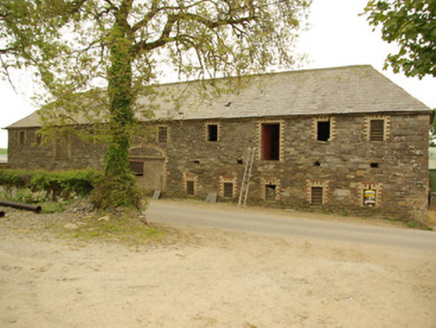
317 192
190 184
316 195
137 166
190 188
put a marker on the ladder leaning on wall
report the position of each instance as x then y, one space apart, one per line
251 154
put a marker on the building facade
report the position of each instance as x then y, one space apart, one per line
345 140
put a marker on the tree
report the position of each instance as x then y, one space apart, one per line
412 24
80 47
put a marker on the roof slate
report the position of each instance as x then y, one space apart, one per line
342 90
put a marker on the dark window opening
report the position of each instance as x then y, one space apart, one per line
270 192
374 165
22 138
212 133
271 142
190 188
162 134
323 131
137 167
377 129
228 189
317 195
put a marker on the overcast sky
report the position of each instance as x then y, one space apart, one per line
337 37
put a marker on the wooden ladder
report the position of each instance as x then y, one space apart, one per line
243 195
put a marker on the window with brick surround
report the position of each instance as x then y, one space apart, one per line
212 132
377 128
270 192
323 128
317 192
162 134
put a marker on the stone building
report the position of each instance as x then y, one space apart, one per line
343 139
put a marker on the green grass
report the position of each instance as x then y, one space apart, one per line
3 151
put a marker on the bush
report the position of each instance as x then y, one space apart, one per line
54 184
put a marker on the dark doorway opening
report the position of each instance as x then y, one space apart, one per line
271 142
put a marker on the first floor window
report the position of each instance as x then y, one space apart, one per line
162 134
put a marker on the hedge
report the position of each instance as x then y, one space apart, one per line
54 184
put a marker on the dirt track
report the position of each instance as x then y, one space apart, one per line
210 278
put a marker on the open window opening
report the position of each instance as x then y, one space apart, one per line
317 195
323 130
190 187
374 165
137 167
270 141
376 130
270 192
212 133
228 189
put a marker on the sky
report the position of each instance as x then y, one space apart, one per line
337 36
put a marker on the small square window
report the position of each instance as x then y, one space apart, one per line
162 134
212 132
317 195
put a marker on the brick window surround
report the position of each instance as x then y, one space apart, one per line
228 187
317 192
377 128
212 132
324 128
270 189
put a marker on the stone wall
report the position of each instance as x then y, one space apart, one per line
333 175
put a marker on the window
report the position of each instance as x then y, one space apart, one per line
270 141
212 132
190 187
162 134
323 131
137 166
323 128
22 137
370 194
317 194
376 130
270 192
228 189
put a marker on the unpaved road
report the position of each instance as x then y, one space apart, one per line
216 278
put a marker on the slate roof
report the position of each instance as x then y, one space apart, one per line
342 90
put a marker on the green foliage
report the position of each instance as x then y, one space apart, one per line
95 58
24 185
411 24
3 151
